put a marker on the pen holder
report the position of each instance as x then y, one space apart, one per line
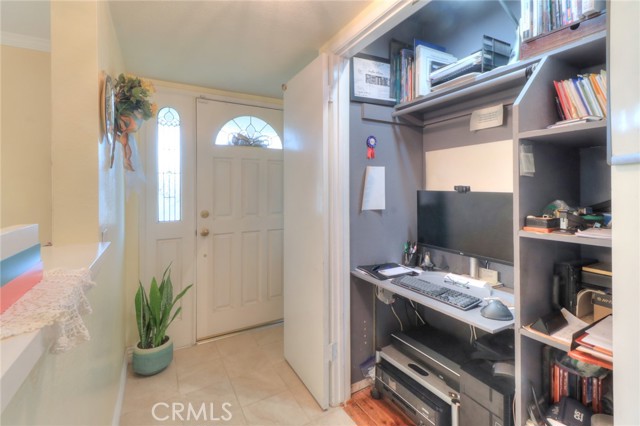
412 259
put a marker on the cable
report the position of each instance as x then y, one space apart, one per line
417 313
397 317
472 334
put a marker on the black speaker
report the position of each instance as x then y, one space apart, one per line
566 282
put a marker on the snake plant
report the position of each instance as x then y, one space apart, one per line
154 311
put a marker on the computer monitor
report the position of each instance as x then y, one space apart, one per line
475 224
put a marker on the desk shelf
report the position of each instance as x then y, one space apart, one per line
571 239
471 317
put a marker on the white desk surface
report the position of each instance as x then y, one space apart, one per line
472 316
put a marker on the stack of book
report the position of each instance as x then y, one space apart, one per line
411 68
539 17
595 345
581 381
583 98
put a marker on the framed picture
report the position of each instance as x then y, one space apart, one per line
371 80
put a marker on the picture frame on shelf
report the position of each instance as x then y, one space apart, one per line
371 80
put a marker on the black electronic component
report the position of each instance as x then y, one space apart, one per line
477 224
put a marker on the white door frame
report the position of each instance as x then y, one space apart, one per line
184 97
375 21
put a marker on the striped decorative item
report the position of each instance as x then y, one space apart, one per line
20 263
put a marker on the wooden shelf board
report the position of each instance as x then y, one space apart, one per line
577 135
572 239
524 331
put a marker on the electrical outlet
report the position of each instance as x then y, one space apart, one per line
488 275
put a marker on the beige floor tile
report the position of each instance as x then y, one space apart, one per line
211 374
195 356
268 335
222 405
241 362
333 417
166 382
146 418
240 343
274 351
247 371
306 401
281 410
257 385
286 373
144 397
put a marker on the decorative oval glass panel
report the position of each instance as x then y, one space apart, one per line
169 166
248 131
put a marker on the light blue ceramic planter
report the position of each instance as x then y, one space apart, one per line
148 362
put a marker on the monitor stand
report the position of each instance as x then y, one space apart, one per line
474 267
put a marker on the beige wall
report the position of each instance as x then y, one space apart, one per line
25 175
81 386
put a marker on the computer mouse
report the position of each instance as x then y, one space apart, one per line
496 310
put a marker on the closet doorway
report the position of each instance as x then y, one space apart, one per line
239 217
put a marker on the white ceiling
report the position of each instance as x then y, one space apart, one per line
243 46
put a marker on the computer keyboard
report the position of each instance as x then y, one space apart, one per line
437 292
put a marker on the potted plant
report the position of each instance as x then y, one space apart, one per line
154 351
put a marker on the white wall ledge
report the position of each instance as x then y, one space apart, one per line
19 354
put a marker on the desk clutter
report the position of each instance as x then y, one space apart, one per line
558 217
418 69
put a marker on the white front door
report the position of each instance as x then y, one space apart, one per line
239 224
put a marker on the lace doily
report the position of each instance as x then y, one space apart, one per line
58 300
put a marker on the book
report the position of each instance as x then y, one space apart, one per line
602 268
581 103
590 96
574 121
564 101
385 271
588 358
427 60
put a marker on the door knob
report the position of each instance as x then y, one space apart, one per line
204 214
204 232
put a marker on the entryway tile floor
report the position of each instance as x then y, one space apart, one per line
238 380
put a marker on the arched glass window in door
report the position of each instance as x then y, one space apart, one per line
169 166
248 131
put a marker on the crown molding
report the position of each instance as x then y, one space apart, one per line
25 41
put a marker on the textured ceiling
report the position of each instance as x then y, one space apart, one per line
242 46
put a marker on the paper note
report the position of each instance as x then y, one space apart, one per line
373 196
487 117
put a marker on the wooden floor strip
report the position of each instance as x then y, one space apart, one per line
366 411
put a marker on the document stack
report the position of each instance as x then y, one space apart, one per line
595 346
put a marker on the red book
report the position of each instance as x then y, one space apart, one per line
588 358
563 100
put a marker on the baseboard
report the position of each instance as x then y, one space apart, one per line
117 410
358 386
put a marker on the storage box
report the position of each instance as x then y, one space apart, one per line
20 263
601 305
549 41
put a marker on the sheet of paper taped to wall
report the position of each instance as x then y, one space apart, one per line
373 195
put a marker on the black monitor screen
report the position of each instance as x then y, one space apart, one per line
478 224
